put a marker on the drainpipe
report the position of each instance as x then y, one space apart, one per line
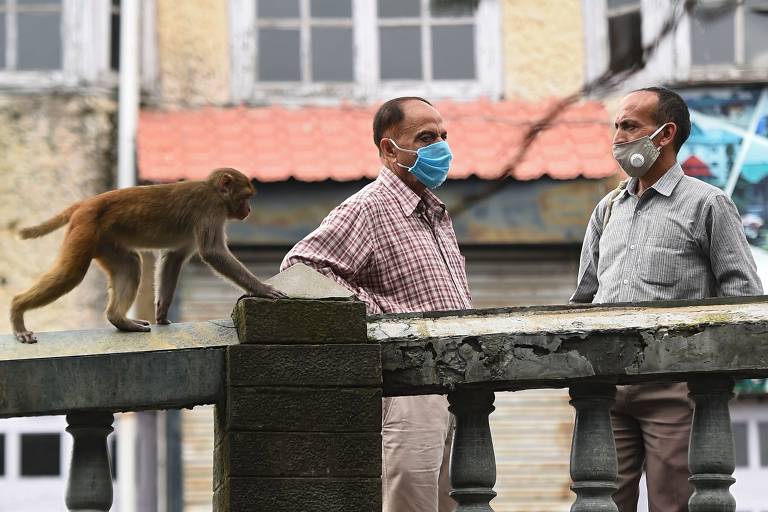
128 106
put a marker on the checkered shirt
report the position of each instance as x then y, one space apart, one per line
395 251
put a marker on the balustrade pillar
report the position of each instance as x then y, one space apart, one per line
594 468
710 455
473 463
90 479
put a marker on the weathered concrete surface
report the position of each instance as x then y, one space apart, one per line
518 348
300 321
299 495
302 282
304 365
178 365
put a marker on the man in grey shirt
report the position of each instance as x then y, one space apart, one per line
662 236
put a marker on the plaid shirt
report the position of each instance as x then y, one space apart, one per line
396 251
682 239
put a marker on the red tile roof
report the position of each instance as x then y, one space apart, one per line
276 143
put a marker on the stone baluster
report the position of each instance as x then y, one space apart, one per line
473 463
594 469
710 455
90 479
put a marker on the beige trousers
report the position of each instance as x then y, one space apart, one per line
416 433
652 425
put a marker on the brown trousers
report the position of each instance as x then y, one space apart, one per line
652 426
416 436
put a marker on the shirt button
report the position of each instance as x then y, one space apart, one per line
632 247
626 281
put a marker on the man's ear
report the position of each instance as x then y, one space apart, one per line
668 134
386 148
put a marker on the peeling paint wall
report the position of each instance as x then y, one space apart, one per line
54 150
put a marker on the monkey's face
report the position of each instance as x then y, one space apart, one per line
236 190
240 206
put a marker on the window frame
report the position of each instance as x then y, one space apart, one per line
672 62
739 69
366 85
86 29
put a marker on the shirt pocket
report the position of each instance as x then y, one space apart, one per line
663 260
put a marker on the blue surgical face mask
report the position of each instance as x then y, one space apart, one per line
432 162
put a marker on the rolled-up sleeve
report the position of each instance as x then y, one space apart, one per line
340 248
730 257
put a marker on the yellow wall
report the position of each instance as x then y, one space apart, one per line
543 48
193 51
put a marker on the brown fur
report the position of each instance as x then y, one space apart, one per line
178 218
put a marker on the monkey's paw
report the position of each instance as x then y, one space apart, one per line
26 336
139 321
270 292
163 321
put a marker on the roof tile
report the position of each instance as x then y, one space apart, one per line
276 143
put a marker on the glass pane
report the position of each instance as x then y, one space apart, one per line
400 53
762 431
39 41
2 41
626 40
712 36
331 8
277 9
40 454
454 8
622 3
114 42
399 8
22 3
332 59
740 444
453 52
756 33
279 55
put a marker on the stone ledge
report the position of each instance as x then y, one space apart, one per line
300 321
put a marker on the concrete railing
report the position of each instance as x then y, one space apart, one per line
588 349
297 386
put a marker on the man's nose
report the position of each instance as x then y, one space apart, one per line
619 138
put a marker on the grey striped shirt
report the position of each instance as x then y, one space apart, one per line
682 239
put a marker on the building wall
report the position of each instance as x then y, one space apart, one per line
54 149
543 48
193 52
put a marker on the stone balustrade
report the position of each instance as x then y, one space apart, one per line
297 387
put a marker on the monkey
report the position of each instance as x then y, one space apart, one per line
177 218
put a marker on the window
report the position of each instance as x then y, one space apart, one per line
300 41
365 48
731 33
625 38
40 454
30 35
426 40
53 43
740 444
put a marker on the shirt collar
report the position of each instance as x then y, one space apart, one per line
409 200
664 185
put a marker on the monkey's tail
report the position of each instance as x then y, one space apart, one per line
51 224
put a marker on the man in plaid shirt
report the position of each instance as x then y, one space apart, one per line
392 244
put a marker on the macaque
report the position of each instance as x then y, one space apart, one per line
177 218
